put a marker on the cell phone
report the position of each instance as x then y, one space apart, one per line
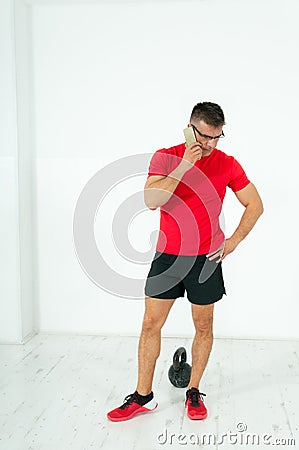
189 135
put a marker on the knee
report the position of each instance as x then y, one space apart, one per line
151 324
204 327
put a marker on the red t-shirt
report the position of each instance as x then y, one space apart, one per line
189 220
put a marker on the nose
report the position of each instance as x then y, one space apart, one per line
210 143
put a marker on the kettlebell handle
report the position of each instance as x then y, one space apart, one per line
179 357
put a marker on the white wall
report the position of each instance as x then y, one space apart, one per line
8 196
16 290
119 78
113 79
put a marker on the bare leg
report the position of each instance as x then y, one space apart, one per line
202 343
156 312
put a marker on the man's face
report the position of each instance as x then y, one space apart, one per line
206 135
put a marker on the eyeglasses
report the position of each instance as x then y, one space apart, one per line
206 137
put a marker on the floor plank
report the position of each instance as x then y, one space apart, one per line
55 392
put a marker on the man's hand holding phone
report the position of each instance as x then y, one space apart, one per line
193 150
193 153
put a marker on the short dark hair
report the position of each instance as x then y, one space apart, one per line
210 113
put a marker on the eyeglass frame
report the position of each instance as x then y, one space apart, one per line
205 136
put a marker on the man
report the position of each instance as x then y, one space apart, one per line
188 183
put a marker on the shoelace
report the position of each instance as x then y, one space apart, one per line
194 396
129 399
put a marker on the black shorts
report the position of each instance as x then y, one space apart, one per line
170 275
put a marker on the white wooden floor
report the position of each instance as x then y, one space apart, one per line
55 392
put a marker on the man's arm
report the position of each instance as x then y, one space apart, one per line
158 189
248 197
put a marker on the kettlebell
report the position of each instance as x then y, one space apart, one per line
180 371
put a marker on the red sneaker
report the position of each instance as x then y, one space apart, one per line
195 405
130 408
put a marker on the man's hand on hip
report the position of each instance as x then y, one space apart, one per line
226 248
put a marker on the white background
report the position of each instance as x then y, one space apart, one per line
113 79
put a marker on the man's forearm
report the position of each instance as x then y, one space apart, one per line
247 222
160 191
